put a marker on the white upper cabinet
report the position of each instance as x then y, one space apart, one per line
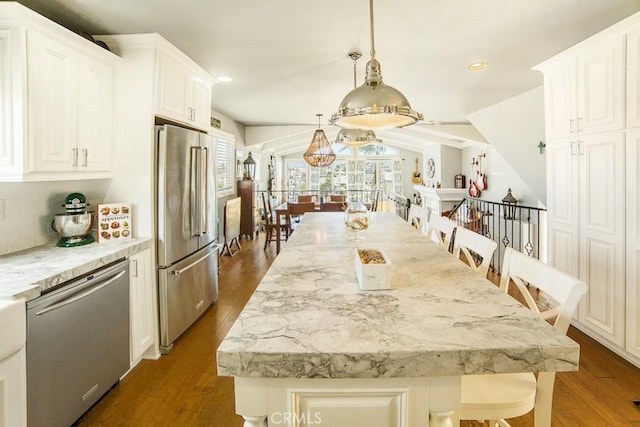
585 92
633 78
183 91
57 103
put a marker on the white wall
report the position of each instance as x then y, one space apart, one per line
514 128
29 208
500 176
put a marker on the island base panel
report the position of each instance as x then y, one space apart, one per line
370 402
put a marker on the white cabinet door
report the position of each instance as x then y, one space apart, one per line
601 87
95 116
586 93
563 204
174 88
52 130
633 78
602 228
183 93
141 304
633 243
560 99
8 159
201 101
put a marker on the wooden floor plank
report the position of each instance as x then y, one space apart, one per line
183 389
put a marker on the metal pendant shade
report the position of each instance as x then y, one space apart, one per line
319 153
374 105
356 137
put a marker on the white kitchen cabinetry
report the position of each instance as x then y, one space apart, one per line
593 180
584 92
56 103
142 303
585 194
183 91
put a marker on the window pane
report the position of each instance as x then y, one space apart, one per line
225 168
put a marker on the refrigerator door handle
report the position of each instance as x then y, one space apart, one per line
199 260
204 191
194 192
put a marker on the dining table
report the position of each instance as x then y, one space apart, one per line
311 348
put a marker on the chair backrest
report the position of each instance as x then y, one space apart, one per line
375 197
305 198
337 198
268 212
472 245
300 208
564 289
418 218
332 207
440 230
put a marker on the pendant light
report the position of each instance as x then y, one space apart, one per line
319 153
356 137
374 105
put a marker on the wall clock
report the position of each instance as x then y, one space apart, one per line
431 168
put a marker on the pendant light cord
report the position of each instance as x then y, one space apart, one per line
373 46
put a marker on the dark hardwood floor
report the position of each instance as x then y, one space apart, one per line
182 388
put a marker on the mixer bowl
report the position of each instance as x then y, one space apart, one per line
73 225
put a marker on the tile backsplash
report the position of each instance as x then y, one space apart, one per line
29 208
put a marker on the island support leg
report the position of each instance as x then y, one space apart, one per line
444 402
250 421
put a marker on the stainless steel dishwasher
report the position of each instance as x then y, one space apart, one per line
77 345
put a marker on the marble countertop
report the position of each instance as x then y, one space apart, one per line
27 273
308 318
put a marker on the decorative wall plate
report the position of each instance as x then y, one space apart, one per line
431 168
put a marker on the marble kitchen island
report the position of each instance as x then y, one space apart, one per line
310 348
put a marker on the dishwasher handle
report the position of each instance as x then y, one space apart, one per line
80 295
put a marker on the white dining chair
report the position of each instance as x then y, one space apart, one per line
418 218
498 396
440 230
473 245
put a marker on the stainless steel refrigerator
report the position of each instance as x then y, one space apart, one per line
187 244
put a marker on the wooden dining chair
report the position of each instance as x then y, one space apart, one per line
498 396
333 207
440 230
477 249
305 198
296 210
272 230
337 198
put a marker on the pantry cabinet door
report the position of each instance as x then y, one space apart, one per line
602 229
563 204
633 243
52 108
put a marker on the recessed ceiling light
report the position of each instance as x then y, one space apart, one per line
478 65
224 79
